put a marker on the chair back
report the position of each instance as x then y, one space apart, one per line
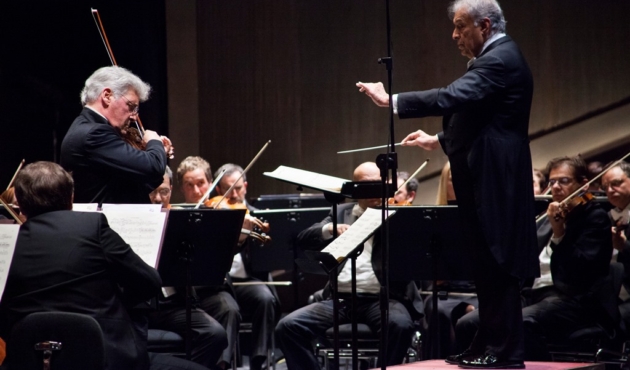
56 340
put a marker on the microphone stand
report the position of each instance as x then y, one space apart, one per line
386 162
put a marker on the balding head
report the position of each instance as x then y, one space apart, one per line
367 171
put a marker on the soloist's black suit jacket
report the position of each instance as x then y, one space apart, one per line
105 168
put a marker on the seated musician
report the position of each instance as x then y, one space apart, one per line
259 303
296 331
162 194
540 182
576 248
208 336
74 262
616 184
407 193
194 177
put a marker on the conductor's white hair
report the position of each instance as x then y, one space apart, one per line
479 9
118 79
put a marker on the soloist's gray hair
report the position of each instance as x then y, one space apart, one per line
119 79
479 9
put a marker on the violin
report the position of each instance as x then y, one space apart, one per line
260 227
132 136
569 204
394 202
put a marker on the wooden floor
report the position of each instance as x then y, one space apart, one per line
441 365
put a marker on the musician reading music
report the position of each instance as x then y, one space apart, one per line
258 303
296 331
74 262
194 177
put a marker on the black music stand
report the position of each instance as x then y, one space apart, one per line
282 251
426 243
198 249
320 265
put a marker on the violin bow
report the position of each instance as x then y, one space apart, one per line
15 174
8 208
110 53
212 186
244 172
422 166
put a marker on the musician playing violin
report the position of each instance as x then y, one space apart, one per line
194 176
616 184
258 303
578 248
405 194
104 166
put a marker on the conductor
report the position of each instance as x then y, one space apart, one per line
485 128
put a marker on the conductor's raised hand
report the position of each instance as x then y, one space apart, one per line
376 91
421 139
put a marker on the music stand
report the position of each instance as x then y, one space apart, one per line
335 189
198 249
279 254
436 251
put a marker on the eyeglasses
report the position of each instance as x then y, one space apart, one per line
613 184
134 108
563 181
164 192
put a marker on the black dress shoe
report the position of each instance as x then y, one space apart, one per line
456 359
489 362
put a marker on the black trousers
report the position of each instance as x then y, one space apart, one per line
208 336
500 331
258 305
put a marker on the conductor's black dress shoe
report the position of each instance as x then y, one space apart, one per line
489 362
457 359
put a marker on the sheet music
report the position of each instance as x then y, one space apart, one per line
8 238
309 179
141 229
85 207
357 233
155 208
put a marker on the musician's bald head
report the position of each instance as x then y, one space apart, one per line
367 171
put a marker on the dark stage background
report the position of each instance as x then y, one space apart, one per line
50 48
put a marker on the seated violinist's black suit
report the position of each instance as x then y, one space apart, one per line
74 262
582 293
296 331
624 258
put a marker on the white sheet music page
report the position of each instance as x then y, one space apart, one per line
85 207
157 208
8 238
308 179
357 233
141 229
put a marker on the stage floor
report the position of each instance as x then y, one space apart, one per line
441 365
